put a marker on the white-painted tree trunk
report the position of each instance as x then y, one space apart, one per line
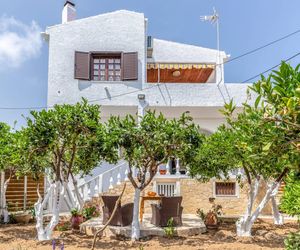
57 191
4 211
68 197
244 226
278 218
135 228
80 201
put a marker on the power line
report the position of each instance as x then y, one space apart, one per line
261 47
127 93
253 77
89 101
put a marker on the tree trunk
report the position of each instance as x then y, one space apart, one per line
135 229
77 194
278 218
58 191
4 211
244 226
68 197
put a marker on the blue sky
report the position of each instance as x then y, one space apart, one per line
245 25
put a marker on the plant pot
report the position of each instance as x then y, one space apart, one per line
211 220
162 171
23 218
76 221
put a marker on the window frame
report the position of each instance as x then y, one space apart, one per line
235 195
106 56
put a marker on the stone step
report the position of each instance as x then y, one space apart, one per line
192 225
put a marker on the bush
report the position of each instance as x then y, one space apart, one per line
292 241
89 212
170 229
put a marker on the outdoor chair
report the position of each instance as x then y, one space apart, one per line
123 215
170 207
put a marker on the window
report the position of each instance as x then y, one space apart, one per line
225 189
106 68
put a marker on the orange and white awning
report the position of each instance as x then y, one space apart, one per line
179 66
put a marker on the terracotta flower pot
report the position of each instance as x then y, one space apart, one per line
211 220
162 171
76 221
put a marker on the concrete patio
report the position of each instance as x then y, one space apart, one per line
192 225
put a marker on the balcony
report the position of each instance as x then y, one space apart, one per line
172 170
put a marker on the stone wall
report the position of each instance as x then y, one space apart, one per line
196 195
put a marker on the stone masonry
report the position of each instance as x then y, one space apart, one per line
196 195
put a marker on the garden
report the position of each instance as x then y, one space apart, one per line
260 142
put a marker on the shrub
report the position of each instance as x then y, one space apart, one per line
292 241
89 212
170 229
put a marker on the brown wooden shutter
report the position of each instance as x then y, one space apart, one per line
129 66
82 65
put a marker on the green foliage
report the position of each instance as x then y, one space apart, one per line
66 140
292 242
63 226
279 96
201 214
215 209
90 212
264 139
11 149
75 212
290 202
170 228
5 137
154 141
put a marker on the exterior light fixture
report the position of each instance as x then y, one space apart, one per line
141 97
176 73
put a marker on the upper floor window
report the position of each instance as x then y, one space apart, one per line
104 66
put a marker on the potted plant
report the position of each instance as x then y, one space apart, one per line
211 219
76 219
22 217
163 170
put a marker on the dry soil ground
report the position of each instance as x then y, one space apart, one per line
266 236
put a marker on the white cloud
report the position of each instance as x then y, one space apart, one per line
18 42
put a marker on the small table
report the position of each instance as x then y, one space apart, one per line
142 204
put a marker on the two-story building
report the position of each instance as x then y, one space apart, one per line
111 60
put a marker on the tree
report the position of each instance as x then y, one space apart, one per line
290 204
264 141
62 142
147 145
290 201
5 138
279 96
11 157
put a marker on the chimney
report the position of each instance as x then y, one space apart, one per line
69 12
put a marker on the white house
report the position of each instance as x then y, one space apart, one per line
111 60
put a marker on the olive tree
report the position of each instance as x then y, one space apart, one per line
148 144
62 142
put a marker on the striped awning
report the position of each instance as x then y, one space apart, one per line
179 66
